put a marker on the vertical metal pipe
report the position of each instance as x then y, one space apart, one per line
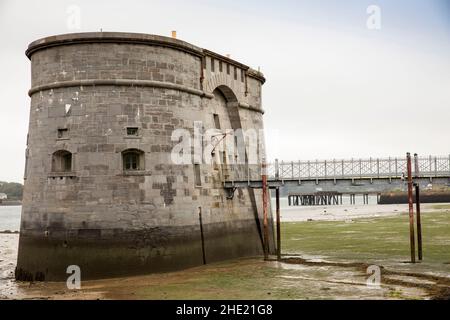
411 209
419 223
265 220
201 234
277 204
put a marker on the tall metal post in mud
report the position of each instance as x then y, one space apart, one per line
419 223
265 219
411 208
417 192
277 204
202 237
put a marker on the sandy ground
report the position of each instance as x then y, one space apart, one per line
8 256
295 277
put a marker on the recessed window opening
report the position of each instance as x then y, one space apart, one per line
62 161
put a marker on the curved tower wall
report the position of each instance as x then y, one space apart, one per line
87 91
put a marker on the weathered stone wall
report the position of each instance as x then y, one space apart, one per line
114 222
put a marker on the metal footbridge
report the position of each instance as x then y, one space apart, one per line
380 171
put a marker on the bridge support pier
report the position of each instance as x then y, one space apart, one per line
352 198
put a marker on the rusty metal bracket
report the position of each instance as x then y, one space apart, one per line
230 192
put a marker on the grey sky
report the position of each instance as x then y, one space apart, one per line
334 89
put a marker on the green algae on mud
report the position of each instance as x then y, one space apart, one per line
441 206
321 260
373 239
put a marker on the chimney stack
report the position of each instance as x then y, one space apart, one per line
174 34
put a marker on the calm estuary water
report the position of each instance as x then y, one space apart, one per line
10 218
10 215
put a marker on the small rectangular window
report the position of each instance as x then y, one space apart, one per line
242 75
235 73
216 121
63 133
220 66
132 131
228 68
212 64
197 176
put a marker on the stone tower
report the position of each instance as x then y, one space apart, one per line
101 189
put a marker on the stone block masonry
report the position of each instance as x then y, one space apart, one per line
100 189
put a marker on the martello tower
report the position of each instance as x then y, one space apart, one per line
101 191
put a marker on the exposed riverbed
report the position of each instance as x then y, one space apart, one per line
318 264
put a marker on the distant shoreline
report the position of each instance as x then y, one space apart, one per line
10 203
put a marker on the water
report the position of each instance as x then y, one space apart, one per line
10 218
10 215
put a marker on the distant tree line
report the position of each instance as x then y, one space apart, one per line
12 189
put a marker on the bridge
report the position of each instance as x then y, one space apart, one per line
326 180
371 175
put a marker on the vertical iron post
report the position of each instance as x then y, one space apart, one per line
201 234
419 223
411 209
277 201
265 220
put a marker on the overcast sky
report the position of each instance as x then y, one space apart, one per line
335 88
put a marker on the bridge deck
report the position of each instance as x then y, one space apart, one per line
352 171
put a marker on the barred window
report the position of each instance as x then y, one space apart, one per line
133 159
